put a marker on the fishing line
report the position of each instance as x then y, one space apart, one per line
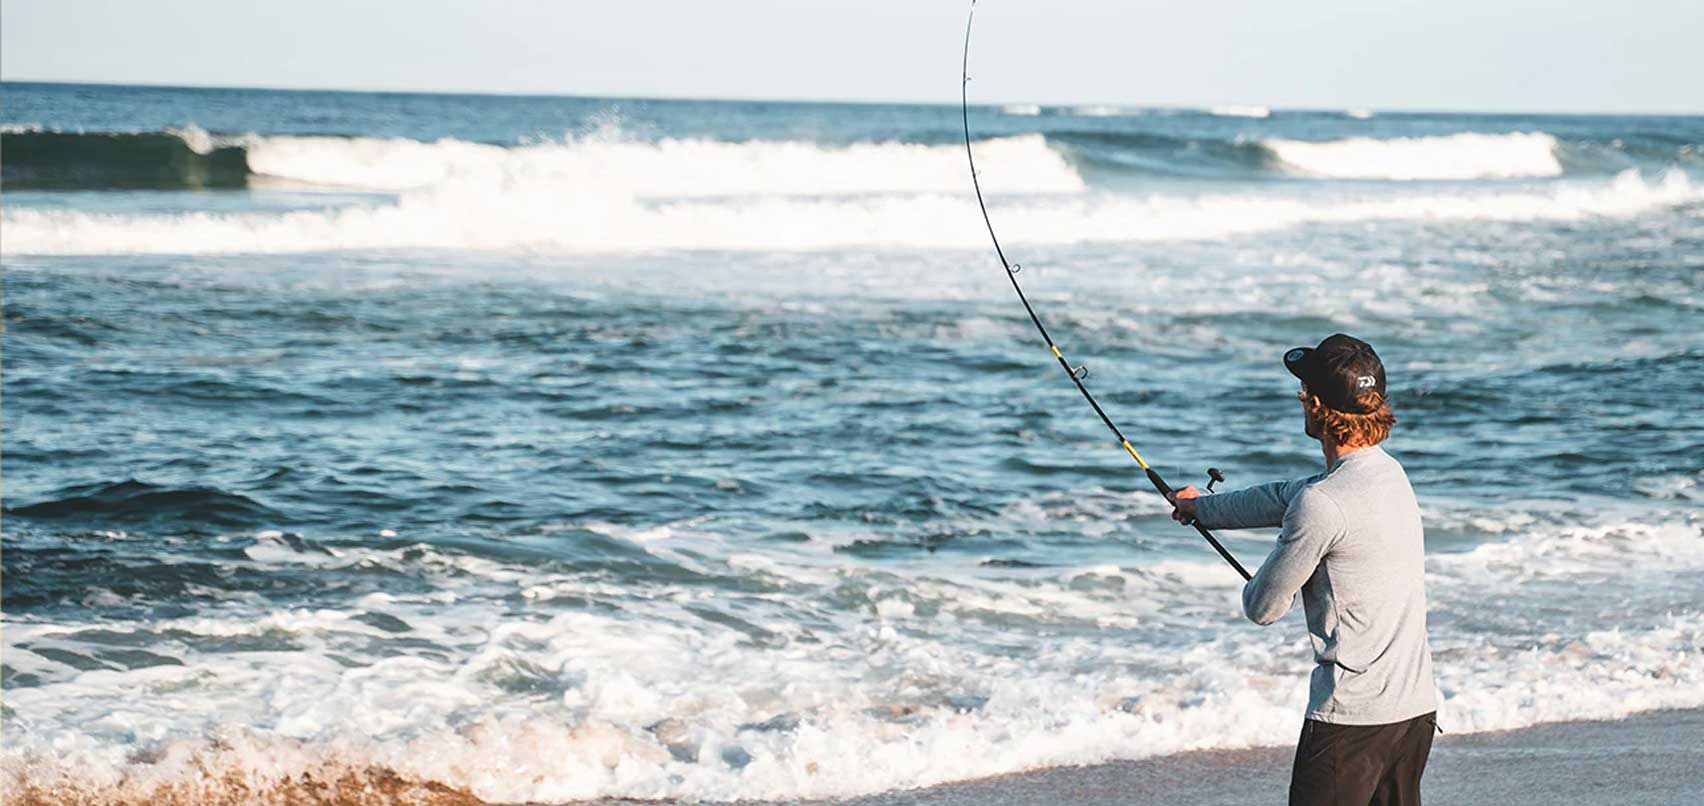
1079 373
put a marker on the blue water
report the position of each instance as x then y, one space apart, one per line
563 448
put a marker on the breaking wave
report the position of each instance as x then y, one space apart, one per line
1241 111
609 161
665 168
504 210
193 158
1455 156
167 160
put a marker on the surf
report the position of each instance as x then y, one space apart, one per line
1457 156
192 158
504 211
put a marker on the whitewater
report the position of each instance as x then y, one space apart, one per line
656 714
552 450
604 193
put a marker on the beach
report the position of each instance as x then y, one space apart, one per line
1651 759
1646 760
548 449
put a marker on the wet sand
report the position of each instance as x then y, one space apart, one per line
1654 759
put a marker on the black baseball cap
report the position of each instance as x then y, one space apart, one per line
1338 371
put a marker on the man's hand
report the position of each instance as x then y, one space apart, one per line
1184 501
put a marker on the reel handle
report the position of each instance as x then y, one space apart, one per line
1214 477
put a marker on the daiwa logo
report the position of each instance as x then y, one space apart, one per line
1365 382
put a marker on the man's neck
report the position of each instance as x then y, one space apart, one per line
1334 452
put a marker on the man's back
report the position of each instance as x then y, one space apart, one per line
1366 603
1352 543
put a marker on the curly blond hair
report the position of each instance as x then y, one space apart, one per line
1347 428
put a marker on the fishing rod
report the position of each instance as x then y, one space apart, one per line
1078 373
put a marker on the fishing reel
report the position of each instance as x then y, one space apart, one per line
1214 476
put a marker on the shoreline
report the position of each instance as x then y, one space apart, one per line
1650 759
1654 758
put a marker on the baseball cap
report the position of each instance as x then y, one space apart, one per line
1338 371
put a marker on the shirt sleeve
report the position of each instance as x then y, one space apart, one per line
1311 526
1260 506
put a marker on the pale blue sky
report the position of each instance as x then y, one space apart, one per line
1519 55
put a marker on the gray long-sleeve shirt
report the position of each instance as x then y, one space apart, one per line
1352 544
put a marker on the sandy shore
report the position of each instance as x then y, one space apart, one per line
1654 759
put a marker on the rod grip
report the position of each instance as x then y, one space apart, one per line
1166 490
1159 483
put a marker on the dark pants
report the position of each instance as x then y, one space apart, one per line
1358 765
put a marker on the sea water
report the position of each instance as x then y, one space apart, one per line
556 448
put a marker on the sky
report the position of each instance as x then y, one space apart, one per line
1467 55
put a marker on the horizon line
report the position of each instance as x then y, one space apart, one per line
849 101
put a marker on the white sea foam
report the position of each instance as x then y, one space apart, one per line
1456 156
197 139
1021 109
607 163
486 212
1241 111
894 679
1673 486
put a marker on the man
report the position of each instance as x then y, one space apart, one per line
1351 542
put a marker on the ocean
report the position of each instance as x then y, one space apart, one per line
548 448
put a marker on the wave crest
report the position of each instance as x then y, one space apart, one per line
1241 111
1456 156
667 168
511 212
135 501
601 163
189 158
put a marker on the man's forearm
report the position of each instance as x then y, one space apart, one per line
1260 506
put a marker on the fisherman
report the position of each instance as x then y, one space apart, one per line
1351 543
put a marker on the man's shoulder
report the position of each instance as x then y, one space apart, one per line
1315 494
1315 504
1367 486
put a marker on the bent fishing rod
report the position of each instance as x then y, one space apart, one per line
1078 373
